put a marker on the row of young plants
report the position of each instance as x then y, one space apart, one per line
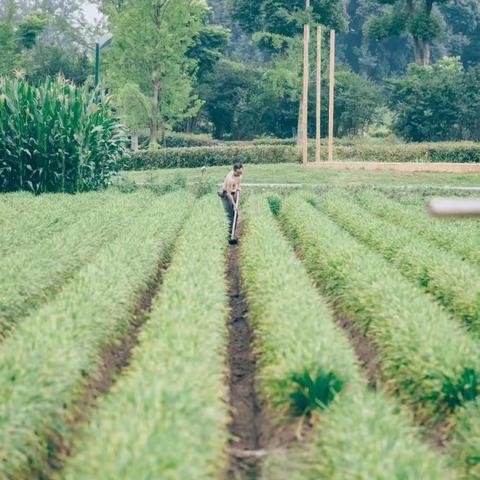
166 417
454 283
446 234
427 359
32 219
306 366
57 350
31 276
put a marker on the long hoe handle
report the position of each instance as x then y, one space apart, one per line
235 218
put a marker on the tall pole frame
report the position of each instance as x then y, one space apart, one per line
331 108
306 78
319 95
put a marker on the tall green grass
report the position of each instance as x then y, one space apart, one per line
427 359
56 137
166 418
453 282
54 352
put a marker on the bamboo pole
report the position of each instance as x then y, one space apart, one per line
306 74
331 96
319 94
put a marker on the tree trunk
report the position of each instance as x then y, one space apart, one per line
154 130
417 50
427 53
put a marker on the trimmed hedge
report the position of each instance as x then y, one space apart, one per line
210 156
254 153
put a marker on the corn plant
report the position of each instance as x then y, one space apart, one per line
58 347
167 416
57 137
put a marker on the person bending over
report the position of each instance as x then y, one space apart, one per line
230 189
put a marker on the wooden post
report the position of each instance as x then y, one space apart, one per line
332 96
306 75
319 93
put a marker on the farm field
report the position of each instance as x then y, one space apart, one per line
295 173
339 339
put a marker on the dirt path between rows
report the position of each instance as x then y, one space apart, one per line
245 425
115 359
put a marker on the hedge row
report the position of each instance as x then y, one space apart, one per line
306 362
264 154
209 156
58 348
428 359
167 416
451 281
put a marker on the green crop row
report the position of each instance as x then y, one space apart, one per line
453 282
306 362
362 437
464 242
428 359
36 218
304 359
28 278
167 417
56 350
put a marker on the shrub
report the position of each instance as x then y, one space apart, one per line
56 137
282 152
186 140
210 156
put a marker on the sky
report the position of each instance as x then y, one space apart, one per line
91 12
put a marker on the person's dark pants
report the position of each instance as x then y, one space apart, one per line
229 210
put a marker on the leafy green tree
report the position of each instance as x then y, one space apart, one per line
152 40
430 102
417 18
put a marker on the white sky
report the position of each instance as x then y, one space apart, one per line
91 12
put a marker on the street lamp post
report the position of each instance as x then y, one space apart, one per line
101 43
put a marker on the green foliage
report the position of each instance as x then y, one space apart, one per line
58 348
31 283
343 443
57 137
463 242
210 156
304 360
452 282
420 347
432 104
168 414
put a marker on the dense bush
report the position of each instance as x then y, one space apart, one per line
56 137
210 156
435 103
283 152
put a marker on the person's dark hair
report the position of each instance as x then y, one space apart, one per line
237 166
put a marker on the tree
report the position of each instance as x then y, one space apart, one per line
417 18
430 102
154 57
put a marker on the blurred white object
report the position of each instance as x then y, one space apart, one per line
454 207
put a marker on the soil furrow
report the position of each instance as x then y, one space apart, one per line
246 408
115 359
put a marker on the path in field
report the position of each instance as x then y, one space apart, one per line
246 408
114 361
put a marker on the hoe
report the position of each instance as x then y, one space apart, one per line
233 240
